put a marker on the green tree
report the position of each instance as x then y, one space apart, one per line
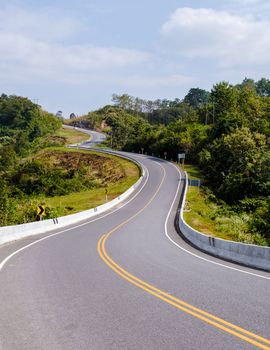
123 101
231 161
247 82
251 110
197 97
225 98
263 87
17 112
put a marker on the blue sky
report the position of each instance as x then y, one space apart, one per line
73 55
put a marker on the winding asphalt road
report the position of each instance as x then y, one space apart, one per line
95 137
126 280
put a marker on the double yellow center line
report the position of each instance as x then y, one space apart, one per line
215 321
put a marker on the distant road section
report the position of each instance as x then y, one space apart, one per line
96 137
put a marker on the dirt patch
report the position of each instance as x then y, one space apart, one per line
58 140
107 170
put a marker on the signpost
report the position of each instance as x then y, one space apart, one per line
181 156
106 194
40 211
194 183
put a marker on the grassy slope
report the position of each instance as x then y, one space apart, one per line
75 202
199 210
83 200
72 136
206 216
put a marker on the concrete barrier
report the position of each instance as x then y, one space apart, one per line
15 232
246 254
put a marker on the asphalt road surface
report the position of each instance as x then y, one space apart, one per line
126 280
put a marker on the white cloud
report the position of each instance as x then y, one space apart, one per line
260 9
151 82
42 23
20 49
30 48
249 2
228 39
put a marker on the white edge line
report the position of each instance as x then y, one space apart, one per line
3 262
193 254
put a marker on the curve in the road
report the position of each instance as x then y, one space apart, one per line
204 258
97 137
180 304
4 261
61 295
176 302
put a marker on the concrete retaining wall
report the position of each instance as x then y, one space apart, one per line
15 232
246 254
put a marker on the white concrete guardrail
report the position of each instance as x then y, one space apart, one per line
246 254
15 232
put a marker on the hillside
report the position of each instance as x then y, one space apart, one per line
36 169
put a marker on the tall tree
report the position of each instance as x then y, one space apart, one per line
263 87
197 97
231 161
124 101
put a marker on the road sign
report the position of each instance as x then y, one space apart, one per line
181 156
194 182
40 210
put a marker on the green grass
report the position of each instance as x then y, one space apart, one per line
83 200
199 210
122 161
76 202
115 175
207 216
72 136
194 172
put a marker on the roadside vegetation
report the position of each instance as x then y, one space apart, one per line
37 169
66 181
70 136
225 132
206 213
112 177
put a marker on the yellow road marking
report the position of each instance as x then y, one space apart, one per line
178 303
